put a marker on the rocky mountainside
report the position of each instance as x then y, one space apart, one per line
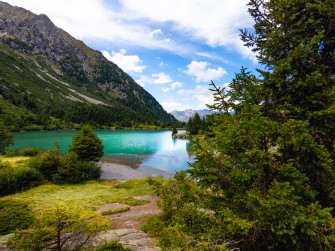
185 115
47 74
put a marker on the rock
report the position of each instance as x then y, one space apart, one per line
181 136
3 240
130 238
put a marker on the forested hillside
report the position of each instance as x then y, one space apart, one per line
48 79
184 116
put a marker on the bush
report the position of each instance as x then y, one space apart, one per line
14 215
73 171
47 163
12 153
30 151
13 180
185 222
68 170
64 168
113 245
89 170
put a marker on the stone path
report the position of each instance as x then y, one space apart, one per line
130 238
124 224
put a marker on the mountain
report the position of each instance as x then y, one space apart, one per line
185 115
47 77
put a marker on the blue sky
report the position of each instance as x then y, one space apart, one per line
173 48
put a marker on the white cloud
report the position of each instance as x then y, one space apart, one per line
226 85
98 20
156 32
165 89
202 73
201 93
215 22
161 78
129 63
162 64
176 84
169 106
156 78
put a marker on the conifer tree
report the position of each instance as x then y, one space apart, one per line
269 170
194 124
190 126
197 123
87 145
174 130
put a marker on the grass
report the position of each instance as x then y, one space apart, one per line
115 211
16 161
89 196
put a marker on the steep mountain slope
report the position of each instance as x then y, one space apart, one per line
185 115
47 74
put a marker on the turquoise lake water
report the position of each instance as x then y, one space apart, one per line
154 148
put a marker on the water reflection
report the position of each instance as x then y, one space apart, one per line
167 154
132 160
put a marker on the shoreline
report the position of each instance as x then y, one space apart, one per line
113 169
97 128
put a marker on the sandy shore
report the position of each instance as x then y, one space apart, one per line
115 170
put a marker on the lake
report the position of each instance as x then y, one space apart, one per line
153 148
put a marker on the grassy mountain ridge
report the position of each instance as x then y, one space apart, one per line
45 73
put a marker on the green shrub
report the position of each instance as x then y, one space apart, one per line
74 171
185 221
47 162
113 245
153 225
89 170
14 215
68 169
64 168
30 151
56 179
12 153
13 180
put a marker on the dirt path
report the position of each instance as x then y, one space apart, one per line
124 225
131 219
